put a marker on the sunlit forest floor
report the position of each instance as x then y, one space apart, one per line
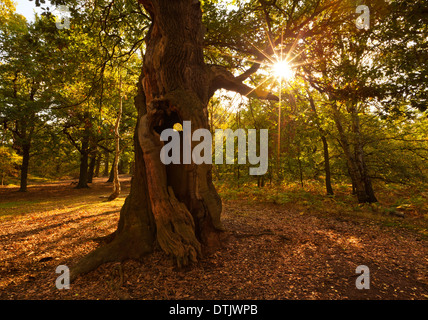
280 243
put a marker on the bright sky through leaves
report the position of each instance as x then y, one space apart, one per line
282 70
27 9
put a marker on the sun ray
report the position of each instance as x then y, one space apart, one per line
279 60
245 59
233 56
255 88
296 55
296 40
303 63
282 42
272 46
261 51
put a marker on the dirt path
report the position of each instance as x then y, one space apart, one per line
270 252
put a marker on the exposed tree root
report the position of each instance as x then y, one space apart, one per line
113 196
105 239
124 246
133 239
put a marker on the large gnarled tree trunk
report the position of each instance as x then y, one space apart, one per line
175 206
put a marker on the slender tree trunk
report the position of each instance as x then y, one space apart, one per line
121 166
261 181
24 166
111 174
354 189
84 158
327 171
85 151
83 171
355 161
91 167
106 163
175 204
97 165
360 158
58 168
300 171
116 182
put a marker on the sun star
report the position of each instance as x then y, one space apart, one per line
283 70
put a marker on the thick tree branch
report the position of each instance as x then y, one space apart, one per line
248 72
72 140
224 79
295 33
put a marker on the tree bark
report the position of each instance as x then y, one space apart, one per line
84 157
24 166
116 182
97 165
91 168
106 163
327 170
176 86
355 160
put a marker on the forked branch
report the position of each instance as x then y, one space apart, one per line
224 79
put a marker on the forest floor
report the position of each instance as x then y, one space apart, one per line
288 249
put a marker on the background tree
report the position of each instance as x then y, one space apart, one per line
27 83
9 163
